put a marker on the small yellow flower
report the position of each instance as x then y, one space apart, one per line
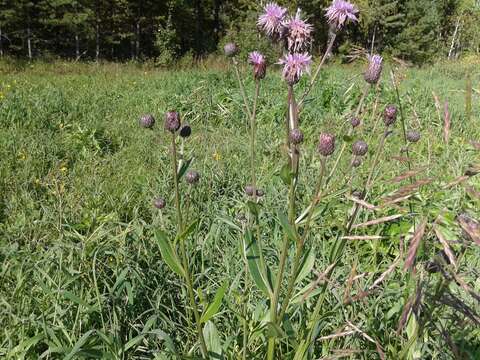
37 181
216 156
63 169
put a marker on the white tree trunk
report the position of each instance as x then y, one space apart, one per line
452 46
29 43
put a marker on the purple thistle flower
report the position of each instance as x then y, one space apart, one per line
340 12
298 33
374 70
259 64
294 65
271 21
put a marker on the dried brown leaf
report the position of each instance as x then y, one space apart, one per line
378 221
446 123
446 248
470 227
414 244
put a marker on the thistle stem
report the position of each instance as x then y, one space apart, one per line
175 179
296 263
188 276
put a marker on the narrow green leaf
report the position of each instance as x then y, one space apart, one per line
72 297
134 341
21 349
213 308
168 253
254 208
289 229
183 169
78 345
165 337
186 233
251 254
286 174
307 265
213 342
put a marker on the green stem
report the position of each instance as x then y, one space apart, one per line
188 276
175 179
242 88
298 256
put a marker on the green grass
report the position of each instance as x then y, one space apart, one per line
81 275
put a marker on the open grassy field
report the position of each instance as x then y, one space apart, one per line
81 274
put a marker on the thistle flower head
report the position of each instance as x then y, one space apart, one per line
146 121
172 121
374 70
259 64
359 148
271 21
340 12
326 144
296 136
390 115
159 203
230 49
413 136
294 65
192 177
298 33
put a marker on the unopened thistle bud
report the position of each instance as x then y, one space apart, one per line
159 203
359 148
259 65
356 162
355 121
249 190
172 121
326 144
230 49
296 136
146 121
185 130
374 70
192 177
413 136
390 115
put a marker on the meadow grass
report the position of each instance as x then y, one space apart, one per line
81 274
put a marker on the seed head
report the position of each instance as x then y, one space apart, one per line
413 136
340 12
355 121
296 136
359 148
185 130
146 121
271 21
374 70
192 177
390 115
298 33
294 65
230 49
356 162
159 203
172 121
326 144
259 64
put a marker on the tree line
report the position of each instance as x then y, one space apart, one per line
165 30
